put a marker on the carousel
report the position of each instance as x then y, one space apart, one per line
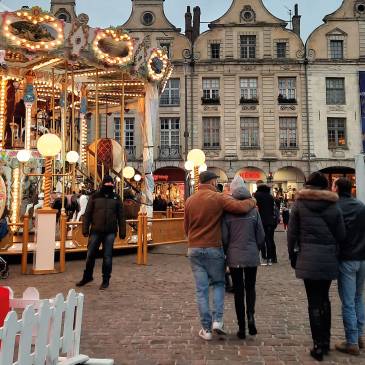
57 79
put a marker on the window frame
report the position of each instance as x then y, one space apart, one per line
171 99
253 132
285 50
212 132
287 94
212 52
286 133
333 145
211 92
171 132
332 50
249 93
339 94
248 50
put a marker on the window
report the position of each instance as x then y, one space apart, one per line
148 18
170 132
288 132
248 46
248 88
167 47
336 132
211 90
249 132
211 127
128 131
287 89
336 49
215 50
281 50
171 95
335 91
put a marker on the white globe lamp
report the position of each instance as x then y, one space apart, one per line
189 165
23 156
49 145
72 157
137 177
197 156
128 172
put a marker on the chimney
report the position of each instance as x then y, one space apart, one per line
296 20
188 24
196 23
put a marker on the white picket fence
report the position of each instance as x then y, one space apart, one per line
47 334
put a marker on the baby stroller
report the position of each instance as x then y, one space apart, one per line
4 269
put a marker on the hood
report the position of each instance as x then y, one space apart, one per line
317 200
239 189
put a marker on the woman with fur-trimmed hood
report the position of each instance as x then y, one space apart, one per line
316 229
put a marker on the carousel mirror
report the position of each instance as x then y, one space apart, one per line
28 31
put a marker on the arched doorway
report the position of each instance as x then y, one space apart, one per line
335 172
170 184
251 175
222 176
287 181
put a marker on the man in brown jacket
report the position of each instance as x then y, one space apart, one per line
203 213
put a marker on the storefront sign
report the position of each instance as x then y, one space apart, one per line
163 178
362 103
251 175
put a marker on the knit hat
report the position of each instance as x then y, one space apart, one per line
239 189
107 179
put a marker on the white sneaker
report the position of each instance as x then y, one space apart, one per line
263 263
218 328
206 334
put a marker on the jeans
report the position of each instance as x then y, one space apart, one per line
240 284
95 239
208 266
350 286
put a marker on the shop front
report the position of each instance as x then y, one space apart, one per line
287 181
333 173
251 175
170 186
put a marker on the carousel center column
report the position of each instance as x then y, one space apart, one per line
49 145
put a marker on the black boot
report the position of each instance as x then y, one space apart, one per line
241 331
326 317
317 332
104 285
85 280
229 285
251 324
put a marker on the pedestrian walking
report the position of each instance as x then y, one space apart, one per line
266 206
203 214
243 236
316 229
285 214
352 268
102 218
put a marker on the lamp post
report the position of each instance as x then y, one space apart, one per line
72 157
197 157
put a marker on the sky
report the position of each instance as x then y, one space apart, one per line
117 11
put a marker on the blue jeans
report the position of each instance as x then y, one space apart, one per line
350 286
95 240
208 266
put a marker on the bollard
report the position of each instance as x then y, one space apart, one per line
63 237
140 239
24 264
145 239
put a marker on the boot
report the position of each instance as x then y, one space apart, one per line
251 324
85 280
241 334
326 316
317 332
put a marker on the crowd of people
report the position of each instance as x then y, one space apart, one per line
326 242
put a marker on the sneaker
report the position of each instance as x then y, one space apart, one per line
104 285
263 262
347 348
269 262
218 328
206 334
361 342
84 281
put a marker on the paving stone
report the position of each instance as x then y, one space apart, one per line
148 316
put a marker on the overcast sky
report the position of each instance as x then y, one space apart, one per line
114 12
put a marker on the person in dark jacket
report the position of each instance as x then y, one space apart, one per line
266 206
352 268
316 230
103 216
286 214
243 235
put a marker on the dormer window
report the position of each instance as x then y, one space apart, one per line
337 44
215 49
336 49
63 14
148 18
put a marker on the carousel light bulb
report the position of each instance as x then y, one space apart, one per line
137 177
72 157
49 145
128 172
203 168
189 165
23 155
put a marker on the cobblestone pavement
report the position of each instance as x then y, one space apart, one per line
149 315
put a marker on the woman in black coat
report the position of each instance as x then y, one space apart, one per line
316 229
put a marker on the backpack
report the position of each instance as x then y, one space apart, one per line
4 229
